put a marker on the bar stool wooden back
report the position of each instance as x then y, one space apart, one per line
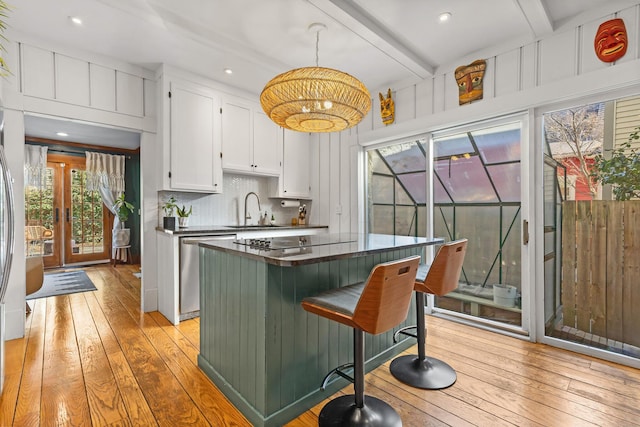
375 306
439 278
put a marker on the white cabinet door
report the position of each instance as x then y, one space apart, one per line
267 137
193 139
237 151
251 142
295 165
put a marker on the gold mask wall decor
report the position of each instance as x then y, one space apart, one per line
387 108
469 78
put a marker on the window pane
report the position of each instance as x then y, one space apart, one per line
402 198
405 221
376 165
381 189
382 219
439 193
404 157
506 179
499 144
415 183
452 146
465 180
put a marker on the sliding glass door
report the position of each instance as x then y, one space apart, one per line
592 228
477 192
474 178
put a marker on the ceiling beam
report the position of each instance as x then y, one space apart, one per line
537 16
360 22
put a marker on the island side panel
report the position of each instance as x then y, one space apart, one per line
233 295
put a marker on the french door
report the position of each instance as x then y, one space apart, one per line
64 222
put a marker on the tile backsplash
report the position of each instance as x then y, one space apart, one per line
228 208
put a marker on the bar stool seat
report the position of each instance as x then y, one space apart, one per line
439 278
375 306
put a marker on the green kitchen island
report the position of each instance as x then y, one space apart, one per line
258 345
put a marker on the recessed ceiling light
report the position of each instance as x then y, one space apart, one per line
76 20
62 134
445 16
228 70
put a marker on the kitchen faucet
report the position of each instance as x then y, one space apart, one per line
248 216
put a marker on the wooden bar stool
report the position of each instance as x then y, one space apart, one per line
439 278
375 306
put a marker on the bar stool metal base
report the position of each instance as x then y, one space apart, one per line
342 411
428 373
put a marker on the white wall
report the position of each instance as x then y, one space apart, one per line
561 66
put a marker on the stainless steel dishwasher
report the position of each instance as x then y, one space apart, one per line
190 274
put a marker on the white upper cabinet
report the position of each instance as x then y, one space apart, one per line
251 142
194 135
267 144
294 181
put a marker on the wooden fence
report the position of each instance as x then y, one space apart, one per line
601 268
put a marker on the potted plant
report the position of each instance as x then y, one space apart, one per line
122 209
183 215
169 221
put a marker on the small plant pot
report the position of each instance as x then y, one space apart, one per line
183 221
169 222
504 295
121 237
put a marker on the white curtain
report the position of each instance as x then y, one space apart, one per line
105 170
105 174
35 166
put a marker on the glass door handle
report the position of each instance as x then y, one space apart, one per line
525 231
57 214
67 214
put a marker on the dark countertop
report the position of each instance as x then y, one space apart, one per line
319 248
228 229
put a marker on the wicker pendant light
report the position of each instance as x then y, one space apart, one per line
315 99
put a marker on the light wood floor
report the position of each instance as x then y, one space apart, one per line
94 359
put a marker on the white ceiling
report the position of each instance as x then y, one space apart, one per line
381 42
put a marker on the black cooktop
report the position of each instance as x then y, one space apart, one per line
292 242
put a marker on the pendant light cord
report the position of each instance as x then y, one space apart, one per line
317 43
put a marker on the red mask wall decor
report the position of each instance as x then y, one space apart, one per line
469 78
611 40
387 108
